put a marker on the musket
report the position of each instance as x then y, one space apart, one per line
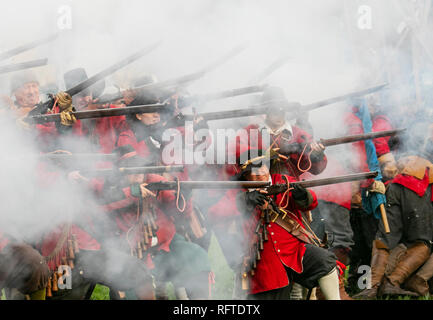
263 108
298 147
43 107
203 98
271 189
175 82
13 52
359 137
77 157
280 188
173 185
23 65
132 170
355 94
197 98
101 113
180 118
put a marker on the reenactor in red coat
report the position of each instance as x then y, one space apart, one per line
280 248
146 228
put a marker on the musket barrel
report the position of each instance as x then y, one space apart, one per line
23 65
101 113
359 137
42 107
355 94
338 179
172 185
155 169
224 94
101 75
132 170
80 157
280 188
13 52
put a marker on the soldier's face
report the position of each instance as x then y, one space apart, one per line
259 174
82 101
276 119
149 118
27 95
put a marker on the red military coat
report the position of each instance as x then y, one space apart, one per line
340 193
282 249
381 123
52 238
107 129
124 210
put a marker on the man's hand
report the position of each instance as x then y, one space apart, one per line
377 186
129 96
256 197
299 193
67 118
146 193
76 177
301 196
317 151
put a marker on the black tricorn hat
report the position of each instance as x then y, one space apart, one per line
275 98
78 75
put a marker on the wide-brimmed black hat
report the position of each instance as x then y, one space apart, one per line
275 98
78 75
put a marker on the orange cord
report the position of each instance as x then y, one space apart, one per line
308 158
285 194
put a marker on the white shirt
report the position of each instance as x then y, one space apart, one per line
287 126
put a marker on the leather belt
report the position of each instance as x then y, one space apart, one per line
292 226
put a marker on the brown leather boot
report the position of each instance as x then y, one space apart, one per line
343 293
342 254
414 257
419 281
395 256
379 260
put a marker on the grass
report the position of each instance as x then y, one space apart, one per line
224 276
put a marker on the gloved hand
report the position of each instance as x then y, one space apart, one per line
255 198
377 186
64 101
24 268
67 118
301 196
318 151
299 192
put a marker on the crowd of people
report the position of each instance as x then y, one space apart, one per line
298 244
